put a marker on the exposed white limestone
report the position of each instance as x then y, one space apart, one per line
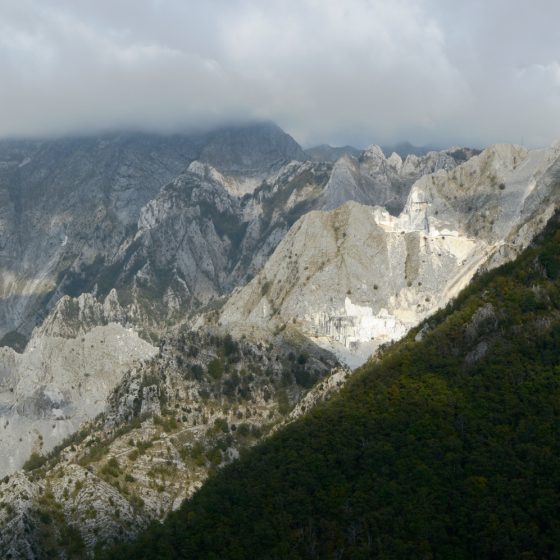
238 186
63 377
357 277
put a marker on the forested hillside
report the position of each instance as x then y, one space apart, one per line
446 447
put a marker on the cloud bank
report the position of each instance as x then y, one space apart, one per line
352 71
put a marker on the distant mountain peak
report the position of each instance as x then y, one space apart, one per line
250 149
325 152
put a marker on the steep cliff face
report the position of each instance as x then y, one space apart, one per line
356 277
66 202
67 207
374 179
64 376
353 277
497 196
199 238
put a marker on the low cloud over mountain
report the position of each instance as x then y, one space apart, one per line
340 72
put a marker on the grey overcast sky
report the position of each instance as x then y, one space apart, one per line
434 72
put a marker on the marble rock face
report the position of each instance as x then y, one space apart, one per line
355 277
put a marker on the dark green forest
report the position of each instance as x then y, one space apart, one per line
446 446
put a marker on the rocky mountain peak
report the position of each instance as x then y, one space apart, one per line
373 154
325 152
72 317
430 163
64 375
236 186
250 150
395 161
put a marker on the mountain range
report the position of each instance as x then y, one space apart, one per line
169 301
